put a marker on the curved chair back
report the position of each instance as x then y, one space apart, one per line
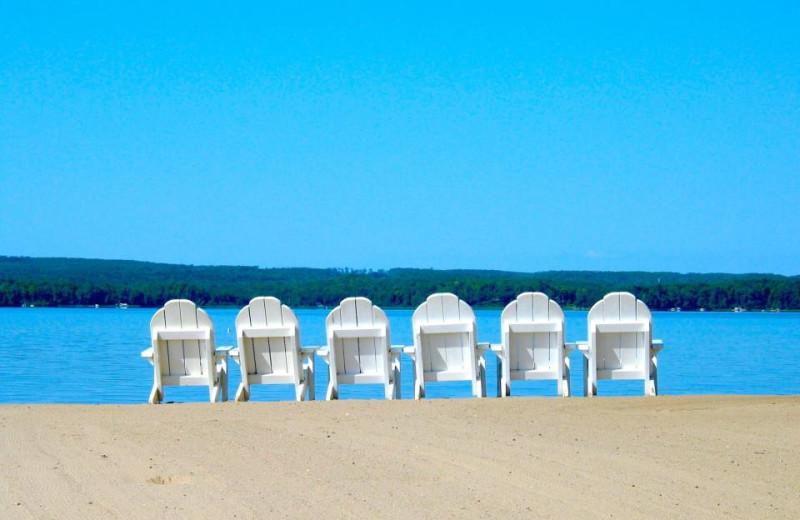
183 340
532 329
620 333
359 346
445 342
268 338
183 352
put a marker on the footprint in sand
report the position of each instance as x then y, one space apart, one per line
174 479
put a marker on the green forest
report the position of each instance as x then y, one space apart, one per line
78 282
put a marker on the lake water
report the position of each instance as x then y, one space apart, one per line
92 356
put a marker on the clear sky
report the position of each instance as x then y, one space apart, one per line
606 135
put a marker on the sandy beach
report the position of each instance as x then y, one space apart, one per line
664 457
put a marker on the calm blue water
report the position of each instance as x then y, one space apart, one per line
92 356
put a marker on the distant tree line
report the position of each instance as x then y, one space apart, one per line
66 282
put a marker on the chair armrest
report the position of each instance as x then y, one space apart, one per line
572 346
482 348
308 362
221 353
656 347
394 359
234 353
324 353
410 351
497 348
148 355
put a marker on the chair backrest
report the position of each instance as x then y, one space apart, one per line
623 328
444 334
532 328
268 336
358 337
183 339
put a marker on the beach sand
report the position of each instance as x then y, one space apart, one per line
663 457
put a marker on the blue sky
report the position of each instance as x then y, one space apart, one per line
605 135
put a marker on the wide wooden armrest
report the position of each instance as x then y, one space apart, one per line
410 351
572 346
222 352
396 350
497 348
483 347
234 353
148 355
324 353
656 347
307 356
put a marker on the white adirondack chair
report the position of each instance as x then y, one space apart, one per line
445 344
532 343
359 349
268 349
621 342
183 351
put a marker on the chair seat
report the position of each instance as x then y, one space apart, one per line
534 374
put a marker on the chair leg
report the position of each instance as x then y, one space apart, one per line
156 395
654 375
479 383
219 390
242 393
333 392
503 388
312 391
223 380
419 390
397 380
589 383
419 384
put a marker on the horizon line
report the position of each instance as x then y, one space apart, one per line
371 269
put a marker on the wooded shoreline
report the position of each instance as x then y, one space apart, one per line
53 282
